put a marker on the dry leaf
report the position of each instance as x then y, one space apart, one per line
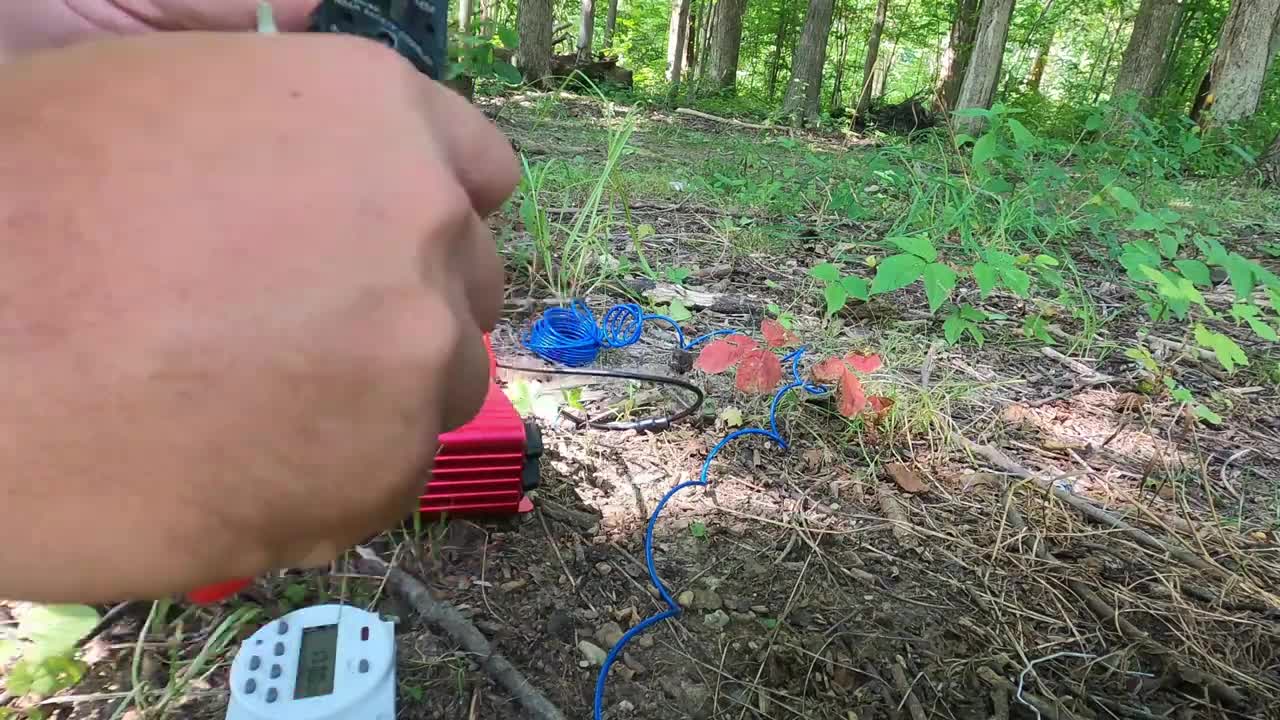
852 398
720 355
775 334
862 363
1130 402
906 478
759 372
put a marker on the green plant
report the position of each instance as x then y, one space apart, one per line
42 647
475 54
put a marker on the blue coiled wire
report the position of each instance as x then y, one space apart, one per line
571 336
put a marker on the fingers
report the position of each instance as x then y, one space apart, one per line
475 149
211 14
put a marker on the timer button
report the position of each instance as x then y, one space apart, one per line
279 650
282 627
363 666
272 695
275 671
251 686
255 662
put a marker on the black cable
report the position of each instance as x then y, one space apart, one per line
652 424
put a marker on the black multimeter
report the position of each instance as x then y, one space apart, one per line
416 29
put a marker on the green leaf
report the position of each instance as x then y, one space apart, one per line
9 650
1047 261
1191 144
1263 330
997 185
1094 123
1053 277
896 272
55 629
1195 271
1169 245
1214 252
973 112
985 149
953 328
1000 259
1206 414
1016 280
836 297
678 275
1224 348
939 281
1146 222
975 332
1021 135
969 312
644 231
698 529
1125 199
678 312
295 593
917 245
826 272
509 38
986 277
856 287
1240 271
1143 357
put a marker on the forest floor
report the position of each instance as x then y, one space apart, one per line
1029 532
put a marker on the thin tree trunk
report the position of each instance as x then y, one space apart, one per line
691 42
486 9
775 63
1106 66
803 100
465 9
1146 59
675 42
1036 77
1240 62
610 23
586 29
1202 98
1179 39
869 65
979 87
725 46
893 50
837 82
533 26
955 58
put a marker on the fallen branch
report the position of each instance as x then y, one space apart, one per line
728 121
904 688
1108 615
445 617
1074 365
898 521
1048 710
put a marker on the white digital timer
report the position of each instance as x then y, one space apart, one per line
329 662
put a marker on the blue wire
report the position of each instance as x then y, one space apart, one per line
572 337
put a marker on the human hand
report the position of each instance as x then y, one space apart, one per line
29 25
243 292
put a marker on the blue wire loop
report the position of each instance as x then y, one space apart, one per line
572 337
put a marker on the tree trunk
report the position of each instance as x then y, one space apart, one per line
1036 77
465 9
586 29
725 45
610 23
675 41
775 62
533 26
869 66
955 59
1240 62
1273 49
691 43
1146 59
803 100
1269 164
1106 66
842 56
979 87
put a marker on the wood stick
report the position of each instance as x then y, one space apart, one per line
904 687
727 121
445 617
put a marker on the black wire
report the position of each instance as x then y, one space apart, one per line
647 424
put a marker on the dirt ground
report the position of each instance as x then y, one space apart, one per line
816 587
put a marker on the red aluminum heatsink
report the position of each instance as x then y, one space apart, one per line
486 466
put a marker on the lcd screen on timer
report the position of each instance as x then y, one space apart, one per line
317 661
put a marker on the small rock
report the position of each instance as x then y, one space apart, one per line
626 706
743 616
604 568
609 634
513 585
760 609
706 600
560 625
626 673
646 641
716 619
593 654
685 598
488 627
632 663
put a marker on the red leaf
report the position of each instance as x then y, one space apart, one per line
829 370
863 363
759 372
720 355
879 404
852 399
775 334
